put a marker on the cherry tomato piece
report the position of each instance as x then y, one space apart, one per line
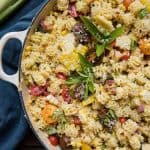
61 75
66 95
127 3
113 44
54 140
122 120
72 10
77 121
35 90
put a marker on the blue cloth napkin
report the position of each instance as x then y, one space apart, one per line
13 125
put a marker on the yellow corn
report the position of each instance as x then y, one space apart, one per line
146 3
64 32
70 61
85 147
90 100
28 48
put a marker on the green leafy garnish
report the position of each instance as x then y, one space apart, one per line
115 34
109 119
133 45
74 79
59 116
85 77
103 39
51 130
93 30
100 49
143 13
86 66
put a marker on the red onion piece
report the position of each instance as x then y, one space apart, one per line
72 10
141 109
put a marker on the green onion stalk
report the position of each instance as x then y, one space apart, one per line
7 7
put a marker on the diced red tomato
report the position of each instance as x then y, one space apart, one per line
36 90
125 57
77 121
72 10
127 3
54 140
66 95
45 26
61 75
113 44
122 120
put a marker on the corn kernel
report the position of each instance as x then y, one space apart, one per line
64 32
90 100
146 3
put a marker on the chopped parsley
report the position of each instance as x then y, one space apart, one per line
85 77
59 116
133 45
109 119
143 13
51 130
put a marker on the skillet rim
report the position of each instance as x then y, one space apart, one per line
19 68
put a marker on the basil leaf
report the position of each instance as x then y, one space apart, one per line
74 80
83 75
133 45
112 114
143 13
51 131
84 62
86 91
100 49
93 30
116 33
91 87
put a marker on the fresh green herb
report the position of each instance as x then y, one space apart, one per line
103 39
133 45
85 77
100 49
93 30
59 116
51 130
115 34
91 86
103 147
86 66
74 79
109 119
143 13
111 114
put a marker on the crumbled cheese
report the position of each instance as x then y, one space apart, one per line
123 42
145 146
52 99
68 44
136 6
145 96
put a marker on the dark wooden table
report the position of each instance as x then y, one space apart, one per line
30 142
